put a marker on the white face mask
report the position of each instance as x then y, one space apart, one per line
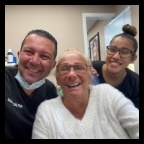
25 85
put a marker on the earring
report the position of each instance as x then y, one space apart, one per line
59 90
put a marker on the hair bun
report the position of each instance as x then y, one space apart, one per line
131 30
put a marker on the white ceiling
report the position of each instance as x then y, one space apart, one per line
91 20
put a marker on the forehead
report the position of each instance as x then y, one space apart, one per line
122 42
72 58
36 37
36 41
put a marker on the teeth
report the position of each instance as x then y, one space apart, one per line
33 70
75 84
114 63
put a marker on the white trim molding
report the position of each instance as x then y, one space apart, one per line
99 16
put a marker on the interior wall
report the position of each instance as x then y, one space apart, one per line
135 22
64 22
99 27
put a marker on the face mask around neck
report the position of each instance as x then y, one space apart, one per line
25 85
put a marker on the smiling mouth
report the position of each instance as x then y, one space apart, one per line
73 85
33 70
115 63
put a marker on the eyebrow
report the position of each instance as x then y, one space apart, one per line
119 48
71 64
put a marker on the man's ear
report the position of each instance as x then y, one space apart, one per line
54 64
133 58
18 54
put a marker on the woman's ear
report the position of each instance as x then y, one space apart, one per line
133 58
57 81
90 78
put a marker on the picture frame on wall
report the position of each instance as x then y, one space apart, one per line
94 48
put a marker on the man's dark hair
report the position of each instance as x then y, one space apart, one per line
45 34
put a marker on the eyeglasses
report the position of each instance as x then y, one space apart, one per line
124 52
65 68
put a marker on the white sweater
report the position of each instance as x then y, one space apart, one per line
109 115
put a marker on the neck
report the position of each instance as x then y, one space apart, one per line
77 108
114 79
28 92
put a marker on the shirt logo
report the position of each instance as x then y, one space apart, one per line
15 104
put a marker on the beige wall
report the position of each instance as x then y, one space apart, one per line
99 27
64 22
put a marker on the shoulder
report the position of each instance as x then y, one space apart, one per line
48 89
49 83
107 92
49 86
107 87
132 74
132 77
49 105
11 70
109 95
10 73
97 63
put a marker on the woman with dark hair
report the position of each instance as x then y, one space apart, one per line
120 53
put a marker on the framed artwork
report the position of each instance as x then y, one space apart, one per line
94 48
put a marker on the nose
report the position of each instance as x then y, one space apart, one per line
117 55
71 72
34 59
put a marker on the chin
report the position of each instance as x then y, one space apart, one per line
115 71
30 81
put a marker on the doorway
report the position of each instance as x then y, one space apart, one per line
96 16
